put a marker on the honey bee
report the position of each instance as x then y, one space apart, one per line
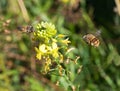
91 40
27 29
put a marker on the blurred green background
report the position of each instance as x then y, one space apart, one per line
20 71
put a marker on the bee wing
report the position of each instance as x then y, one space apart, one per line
98 33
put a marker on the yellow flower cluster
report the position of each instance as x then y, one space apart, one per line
49 45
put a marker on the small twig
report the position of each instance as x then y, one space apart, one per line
24 10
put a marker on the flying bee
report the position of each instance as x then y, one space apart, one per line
91 40
27 29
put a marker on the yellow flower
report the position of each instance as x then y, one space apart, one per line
40 51
66 41
54 45
54 50
38 55
42 48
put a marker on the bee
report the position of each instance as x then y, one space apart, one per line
27 29
91 40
